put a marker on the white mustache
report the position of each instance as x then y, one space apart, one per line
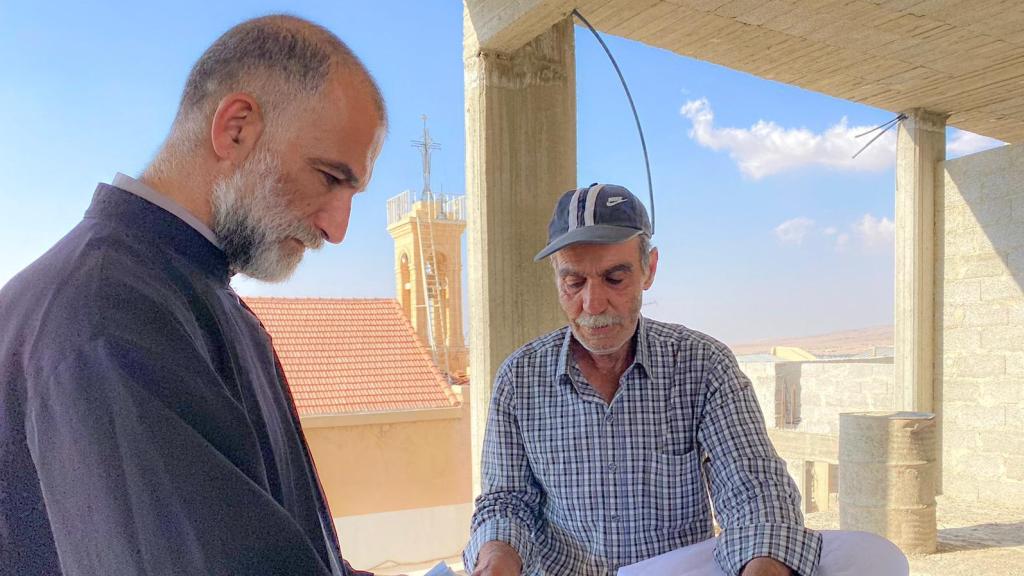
310 237
598 320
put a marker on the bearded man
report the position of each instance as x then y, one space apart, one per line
146 426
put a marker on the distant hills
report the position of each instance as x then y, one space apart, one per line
845 343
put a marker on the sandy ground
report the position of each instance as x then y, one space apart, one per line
973 540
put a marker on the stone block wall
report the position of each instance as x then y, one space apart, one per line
765 383
801 402
808 396
829 388
979 363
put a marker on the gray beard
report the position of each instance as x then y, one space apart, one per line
252 221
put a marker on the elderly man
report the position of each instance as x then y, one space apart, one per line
146 424
604 438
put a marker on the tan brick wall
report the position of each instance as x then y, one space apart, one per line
980 325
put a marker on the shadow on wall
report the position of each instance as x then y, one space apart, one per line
979 319
981 536
980 232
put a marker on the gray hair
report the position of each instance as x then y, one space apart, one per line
645 251
282 61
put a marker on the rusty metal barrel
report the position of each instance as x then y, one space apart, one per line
887 477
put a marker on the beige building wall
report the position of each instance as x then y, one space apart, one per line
392 464
398 483
980 324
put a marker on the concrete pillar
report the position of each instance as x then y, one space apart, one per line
520 156
920 148
816 486
807 488
887 476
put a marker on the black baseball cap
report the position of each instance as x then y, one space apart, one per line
597 214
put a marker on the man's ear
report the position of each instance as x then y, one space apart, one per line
237 126
652 268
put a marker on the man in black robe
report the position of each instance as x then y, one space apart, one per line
146 426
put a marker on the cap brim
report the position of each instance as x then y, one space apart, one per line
597 234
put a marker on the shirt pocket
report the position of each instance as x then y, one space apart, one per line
678 497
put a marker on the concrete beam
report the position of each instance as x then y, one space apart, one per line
920 149
506 26
520 156
793 445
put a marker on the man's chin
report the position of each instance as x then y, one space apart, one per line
268 278
597 351
598 346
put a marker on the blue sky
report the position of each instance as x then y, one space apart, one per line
765 227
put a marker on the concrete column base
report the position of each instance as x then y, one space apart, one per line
887 477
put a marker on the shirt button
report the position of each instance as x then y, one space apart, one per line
614 517
609 418
612 466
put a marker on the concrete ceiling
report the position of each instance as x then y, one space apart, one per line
964 58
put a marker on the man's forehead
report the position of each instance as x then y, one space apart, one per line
596 258
622 267
348 102
350 134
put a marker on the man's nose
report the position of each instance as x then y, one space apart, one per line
595 298
333 217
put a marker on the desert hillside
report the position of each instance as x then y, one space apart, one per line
847 342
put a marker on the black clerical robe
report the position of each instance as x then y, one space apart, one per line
144 425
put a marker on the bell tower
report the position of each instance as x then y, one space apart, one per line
428 264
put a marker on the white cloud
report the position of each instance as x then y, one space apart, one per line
875 232
767 148
963 143
869 231
794 231
842 242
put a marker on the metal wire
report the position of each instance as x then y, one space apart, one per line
883 129
632 106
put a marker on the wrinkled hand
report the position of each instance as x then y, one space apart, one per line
498 559
765 566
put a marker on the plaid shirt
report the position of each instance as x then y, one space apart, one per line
581 487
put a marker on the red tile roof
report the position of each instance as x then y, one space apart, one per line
349 355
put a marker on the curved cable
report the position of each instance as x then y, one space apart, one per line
632 106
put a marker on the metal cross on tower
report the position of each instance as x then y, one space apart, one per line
426 145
